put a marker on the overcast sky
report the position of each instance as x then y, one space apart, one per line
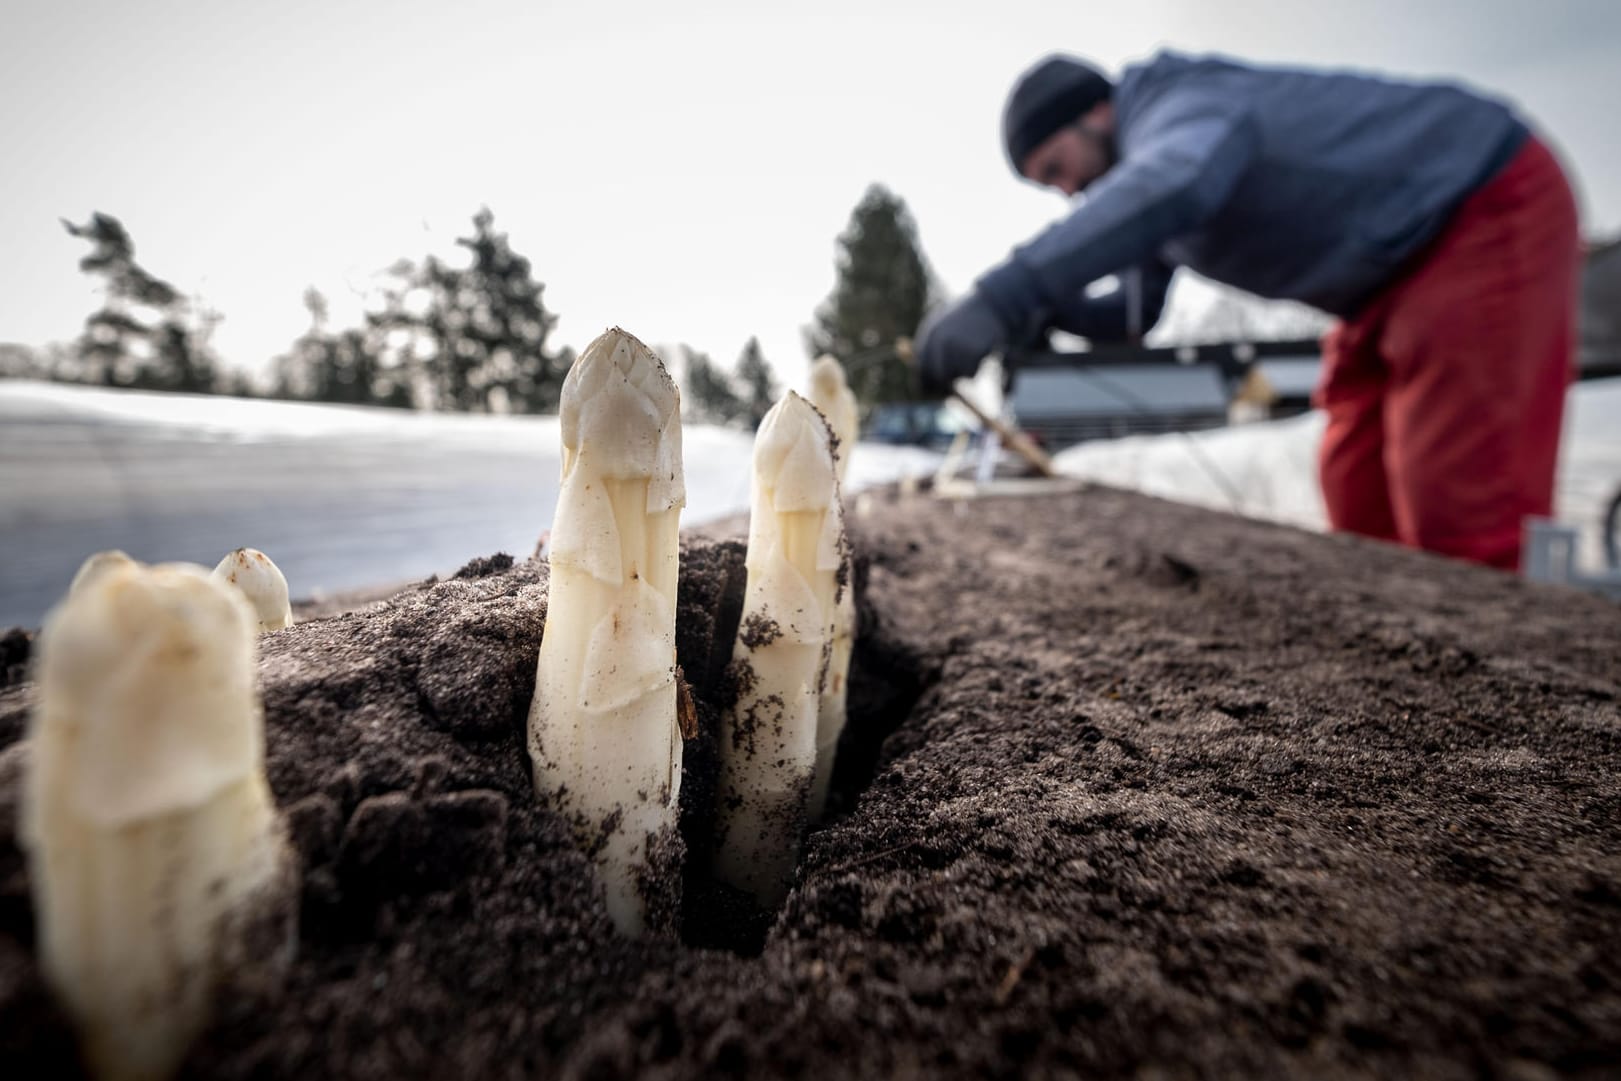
680 169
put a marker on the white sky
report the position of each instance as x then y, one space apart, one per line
679 169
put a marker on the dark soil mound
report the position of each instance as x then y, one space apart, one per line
1164 793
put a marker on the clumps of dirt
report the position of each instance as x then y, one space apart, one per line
759 630
485 566
409 841
746 724
1129 790
16 645
847 555
658 882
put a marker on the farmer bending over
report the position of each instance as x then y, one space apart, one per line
1431 221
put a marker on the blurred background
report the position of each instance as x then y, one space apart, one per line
307 278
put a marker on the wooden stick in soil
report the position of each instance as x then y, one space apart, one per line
1011 437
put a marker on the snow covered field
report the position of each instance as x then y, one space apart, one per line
342 498
346 498
1269 470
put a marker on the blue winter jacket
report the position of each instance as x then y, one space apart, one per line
1300 185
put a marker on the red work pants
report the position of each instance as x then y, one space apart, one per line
1444 396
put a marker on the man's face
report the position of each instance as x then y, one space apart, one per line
1075 155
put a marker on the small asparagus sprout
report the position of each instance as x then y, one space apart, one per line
768 747
262 583
602 727
159 867
831 395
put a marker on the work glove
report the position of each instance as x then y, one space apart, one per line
954 339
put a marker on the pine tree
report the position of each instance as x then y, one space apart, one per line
707 394
882 290
345 367
18 361
146 334
478 332
759 388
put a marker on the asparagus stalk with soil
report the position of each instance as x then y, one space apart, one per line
603 738
831 395
768 744
158 864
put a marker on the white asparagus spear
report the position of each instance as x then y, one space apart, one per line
262 583
158 864
831 395
602 727
768 744
97 565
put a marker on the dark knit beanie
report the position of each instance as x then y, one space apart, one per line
1055 92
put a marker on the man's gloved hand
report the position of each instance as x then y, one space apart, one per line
954 339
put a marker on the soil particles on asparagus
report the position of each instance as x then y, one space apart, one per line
1130 790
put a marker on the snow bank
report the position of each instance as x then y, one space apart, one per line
1269 470
341 497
